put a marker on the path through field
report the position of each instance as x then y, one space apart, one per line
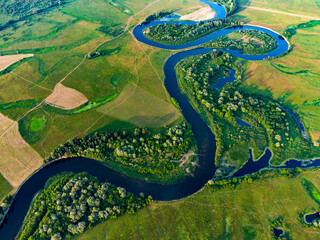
280 12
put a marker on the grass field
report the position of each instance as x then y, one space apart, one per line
60 38
305 7
245 212
5 187
294 78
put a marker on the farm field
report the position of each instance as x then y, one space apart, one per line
18 158
60 39
6 61
77 82
242 212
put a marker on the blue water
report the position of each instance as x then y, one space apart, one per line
169 18
242 123
311 217
204 136
301 127
277 232
252 166
224 80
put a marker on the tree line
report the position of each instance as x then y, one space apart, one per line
230 5
145 153
183 33
249 42
72 203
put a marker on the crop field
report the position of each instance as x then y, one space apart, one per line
6 61
75 68
66 98
243 212
17 158
59 39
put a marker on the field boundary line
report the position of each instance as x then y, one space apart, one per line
13 73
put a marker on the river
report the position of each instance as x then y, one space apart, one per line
204 136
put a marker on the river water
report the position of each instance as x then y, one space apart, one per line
204 136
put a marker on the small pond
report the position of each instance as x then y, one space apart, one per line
311 217
278 232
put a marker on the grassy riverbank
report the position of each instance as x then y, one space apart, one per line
270 126
231 211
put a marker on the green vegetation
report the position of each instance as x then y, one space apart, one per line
72 203
30 103
247 41
21 9
271 126
34 127
83 108
13 66
237 209
157 16
279 224
180 34
5 187
4 205
37 123
142 154
122 7
230 5
311 190
292 29
103 53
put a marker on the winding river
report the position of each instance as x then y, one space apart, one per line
204 136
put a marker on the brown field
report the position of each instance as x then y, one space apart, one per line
6 61
17 159
200 15
66 98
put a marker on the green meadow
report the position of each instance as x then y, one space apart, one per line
234 211
5 187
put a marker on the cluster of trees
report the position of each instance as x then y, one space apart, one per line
106 52
250 42
157 16
119 6
230 5
22 8
280 224
265 174
184 33
271 126
139 151
4 206
71 203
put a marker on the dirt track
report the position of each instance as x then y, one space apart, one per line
280 12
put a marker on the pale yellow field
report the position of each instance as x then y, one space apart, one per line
145 108
17 158
66 98
200 15
6 61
